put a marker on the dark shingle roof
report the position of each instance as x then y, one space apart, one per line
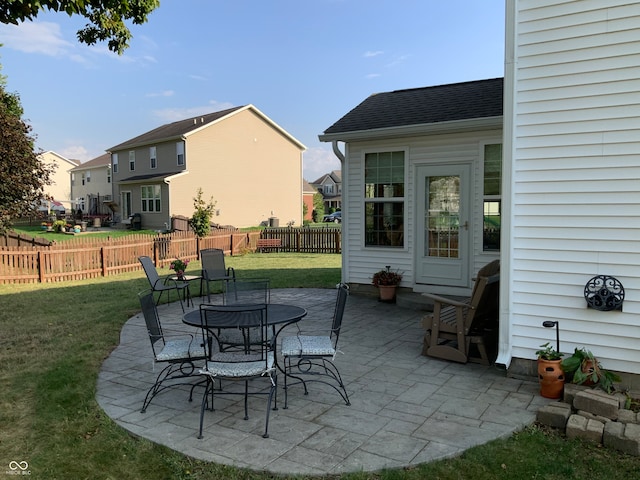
418 106
173 130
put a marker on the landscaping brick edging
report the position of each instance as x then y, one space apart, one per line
596 416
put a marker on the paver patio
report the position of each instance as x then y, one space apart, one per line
405 409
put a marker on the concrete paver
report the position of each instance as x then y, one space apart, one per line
405 408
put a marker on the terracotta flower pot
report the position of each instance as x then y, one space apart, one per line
551 377
387 293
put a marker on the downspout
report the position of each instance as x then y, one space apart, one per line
337 152
341 157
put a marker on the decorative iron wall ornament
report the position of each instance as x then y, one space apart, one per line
604 293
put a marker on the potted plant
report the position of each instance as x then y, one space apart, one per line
59 226
550 373
179 266
387 282
585 369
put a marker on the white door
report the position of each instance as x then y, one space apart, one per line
443 224
126 205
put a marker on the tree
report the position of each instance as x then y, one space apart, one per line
22 175
107 17
318 207
201 220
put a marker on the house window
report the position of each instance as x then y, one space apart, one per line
150 195
114 161
83 179
152 157
109 174
492 197
132 160
73 179
180 153
328 189
384 199
88 177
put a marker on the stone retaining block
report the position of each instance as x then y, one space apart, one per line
585 429
597 402
554 414
624 437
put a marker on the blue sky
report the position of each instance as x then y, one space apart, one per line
304 63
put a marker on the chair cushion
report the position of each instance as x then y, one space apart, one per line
237 365
307 345
180 349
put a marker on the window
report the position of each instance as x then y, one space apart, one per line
152 157
384 199
83 179
73 179
114 161
492 197
328 189
109 174
180 153
88 177
132 160
150 195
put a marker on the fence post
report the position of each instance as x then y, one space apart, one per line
40 266
103 262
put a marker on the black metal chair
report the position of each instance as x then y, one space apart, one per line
163 284
256 362
244 292
214 269
178 353
309 358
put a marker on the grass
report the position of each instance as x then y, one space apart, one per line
36 231
54 338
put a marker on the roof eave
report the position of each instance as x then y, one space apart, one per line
454 126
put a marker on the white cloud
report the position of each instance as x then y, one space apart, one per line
76 152
36 37
372 75
318 161
369 53
398 60
175 114
164 93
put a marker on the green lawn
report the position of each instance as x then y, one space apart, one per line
54 337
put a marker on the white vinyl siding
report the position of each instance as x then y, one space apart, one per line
575 175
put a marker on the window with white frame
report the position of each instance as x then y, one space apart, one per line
83 178
109 174
384 179
114 161
152 157
88 177
180 153
132 160
73 179
492 200
151 200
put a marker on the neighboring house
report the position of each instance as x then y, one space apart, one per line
330 186
60 188
430 191
308 191
249 165
91 186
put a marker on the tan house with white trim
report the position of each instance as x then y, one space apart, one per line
60 188
91 186
249 165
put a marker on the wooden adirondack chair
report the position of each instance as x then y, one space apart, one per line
462 331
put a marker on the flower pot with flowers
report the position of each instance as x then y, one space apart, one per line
179 266
387 281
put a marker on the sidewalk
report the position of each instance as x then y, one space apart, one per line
406 409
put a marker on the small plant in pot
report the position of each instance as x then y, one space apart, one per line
585 369
550 373
387 281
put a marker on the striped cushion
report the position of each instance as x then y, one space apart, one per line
307 345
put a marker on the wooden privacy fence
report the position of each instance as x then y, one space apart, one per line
84 257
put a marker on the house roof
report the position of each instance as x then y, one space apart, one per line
423 106
181 128
101 161
335 176
152 177
308 188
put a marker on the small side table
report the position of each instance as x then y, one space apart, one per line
188 279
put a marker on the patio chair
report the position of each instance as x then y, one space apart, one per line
179 353
309 358
255 363
466 330
244 292
214 269
166 284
